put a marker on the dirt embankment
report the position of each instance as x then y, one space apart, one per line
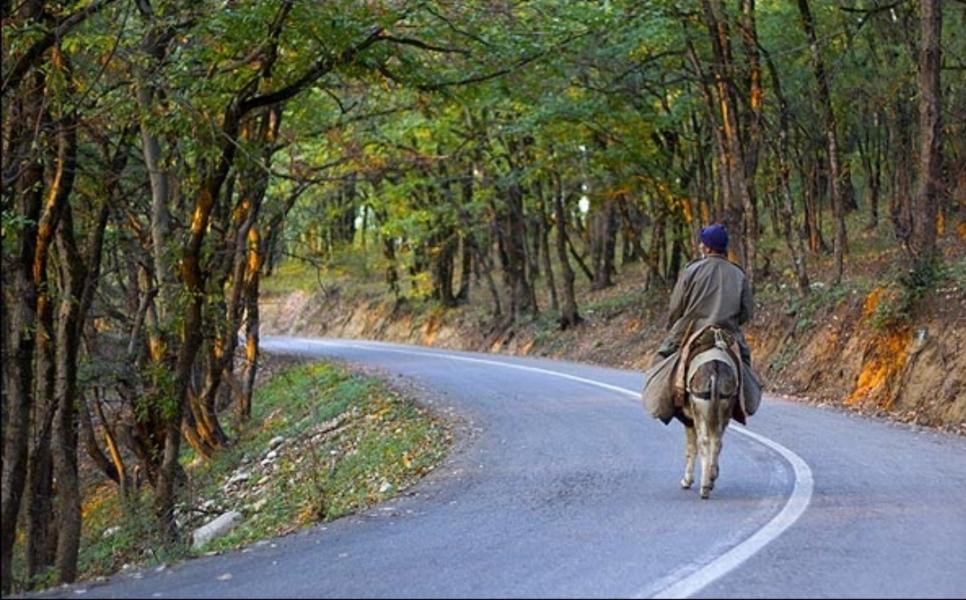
830 351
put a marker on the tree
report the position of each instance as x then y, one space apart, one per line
930 127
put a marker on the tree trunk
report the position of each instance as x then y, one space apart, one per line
656 251
255 260
930 135
871 157
900 203
831 140
752 143
40 539
111 470
793 239
569 317
738 200
26 109
544 235
73 275
513 226
467 238
466 267
604 244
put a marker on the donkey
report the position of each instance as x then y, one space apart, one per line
712 392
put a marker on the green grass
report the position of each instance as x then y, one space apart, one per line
384 439
385 443
292 275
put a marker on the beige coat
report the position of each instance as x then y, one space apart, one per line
710 291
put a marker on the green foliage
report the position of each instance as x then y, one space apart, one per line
424 117
898 302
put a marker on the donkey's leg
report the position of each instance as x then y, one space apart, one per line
705 445
690 451
716 442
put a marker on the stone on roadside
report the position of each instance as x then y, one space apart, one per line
239 477
275 442
215 529
385 487
110 531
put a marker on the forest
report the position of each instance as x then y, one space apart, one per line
161 157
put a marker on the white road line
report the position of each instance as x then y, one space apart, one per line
698 576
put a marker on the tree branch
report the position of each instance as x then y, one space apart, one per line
320 68
33 54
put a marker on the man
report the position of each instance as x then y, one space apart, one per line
711 291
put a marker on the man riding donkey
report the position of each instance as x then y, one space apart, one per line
710 302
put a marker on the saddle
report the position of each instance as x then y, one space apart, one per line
725 348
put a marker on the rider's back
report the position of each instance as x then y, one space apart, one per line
711 291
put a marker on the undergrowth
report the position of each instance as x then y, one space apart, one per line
350 442
903 292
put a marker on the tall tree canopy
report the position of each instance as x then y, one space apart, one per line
159 157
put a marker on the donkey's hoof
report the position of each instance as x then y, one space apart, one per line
686 483
705 493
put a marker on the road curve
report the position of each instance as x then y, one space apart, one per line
561 486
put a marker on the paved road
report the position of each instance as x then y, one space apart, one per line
561 486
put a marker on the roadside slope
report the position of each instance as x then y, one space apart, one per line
856 346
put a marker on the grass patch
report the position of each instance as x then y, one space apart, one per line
349 442
292 275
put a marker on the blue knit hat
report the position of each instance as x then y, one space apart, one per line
715 236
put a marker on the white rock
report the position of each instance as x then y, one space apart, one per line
215 529
110 531
272 455
239 477
275 442
385 487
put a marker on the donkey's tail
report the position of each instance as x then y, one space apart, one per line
714 386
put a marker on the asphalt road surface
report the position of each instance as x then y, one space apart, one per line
560 485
